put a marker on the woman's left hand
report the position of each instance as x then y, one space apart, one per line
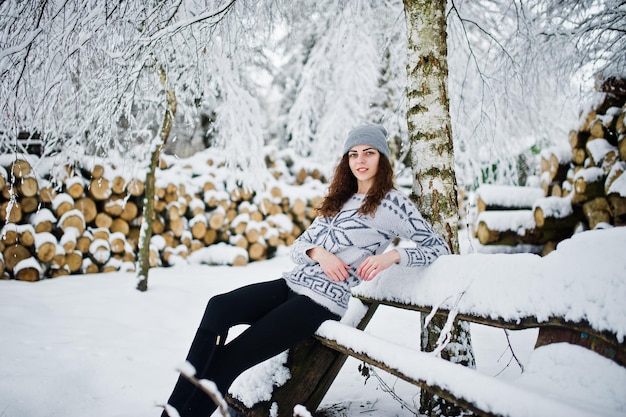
371 266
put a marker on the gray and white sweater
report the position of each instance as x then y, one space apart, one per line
353 237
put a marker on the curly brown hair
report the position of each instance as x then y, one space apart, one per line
344 185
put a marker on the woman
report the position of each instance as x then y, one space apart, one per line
358 219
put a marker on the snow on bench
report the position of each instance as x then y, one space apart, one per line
580 288
581 285
481 393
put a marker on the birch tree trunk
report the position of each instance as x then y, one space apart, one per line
432 158
148 206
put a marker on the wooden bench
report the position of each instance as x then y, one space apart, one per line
567 297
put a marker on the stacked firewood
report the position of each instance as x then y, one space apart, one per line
90 220
582 183
505 217
586 190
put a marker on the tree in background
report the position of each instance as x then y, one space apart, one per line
520 73
515 83
143 258
333 79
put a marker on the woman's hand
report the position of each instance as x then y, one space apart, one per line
334 268
371 266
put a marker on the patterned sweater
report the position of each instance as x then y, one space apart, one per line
353 237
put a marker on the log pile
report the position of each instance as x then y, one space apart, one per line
589 190
505 217
90 221
582 182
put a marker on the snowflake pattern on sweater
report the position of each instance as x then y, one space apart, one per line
353 237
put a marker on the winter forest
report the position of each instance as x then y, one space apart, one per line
194 138
92 78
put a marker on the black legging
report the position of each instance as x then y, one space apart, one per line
278 318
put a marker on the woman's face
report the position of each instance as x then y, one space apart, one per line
363 160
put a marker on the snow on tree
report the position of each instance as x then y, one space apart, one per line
88 70
519 71
96 79
86 74
341 71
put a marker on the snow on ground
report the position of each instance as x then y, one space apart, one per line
94 345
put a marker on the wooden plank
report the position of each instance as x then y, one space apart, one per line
434 389
446 379
610 348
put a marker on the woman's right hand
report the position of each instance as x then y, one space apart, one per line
334 268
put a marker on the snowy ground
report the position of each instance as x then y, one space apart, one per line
93 345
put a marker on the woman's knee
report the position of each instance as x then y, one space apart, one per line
215 313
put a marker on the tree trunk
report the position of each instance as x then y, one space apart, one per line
148 206
432 157
428 117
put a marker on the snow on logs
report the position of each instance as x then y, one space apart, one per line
89 222
594 183
582 185
505 215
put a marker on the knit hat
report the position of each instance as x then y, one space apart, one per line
373 135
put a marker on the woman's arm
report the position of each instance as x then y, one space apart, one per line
407 222
334 268
305 250
429 244
371 266
301 246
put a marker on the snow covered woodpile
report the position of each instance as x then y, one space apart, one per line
505 216
581 184
584 184
90 221
507 219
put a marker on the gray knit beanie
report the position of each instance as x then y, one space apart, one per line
373 135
